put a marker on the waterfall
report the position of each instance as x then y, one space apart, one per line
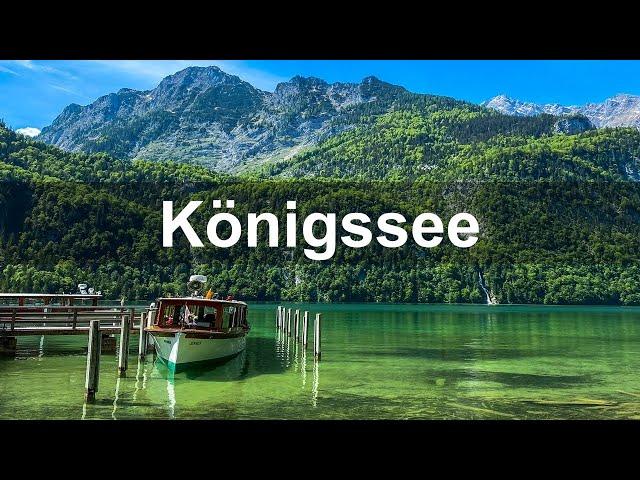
485 289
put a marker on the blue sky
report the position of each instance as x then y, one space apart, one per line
33 92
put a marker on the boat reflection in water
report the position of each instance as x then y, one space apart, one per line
278 357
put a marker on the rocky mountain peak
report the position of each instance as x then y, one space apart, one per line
624 97
370 80
372 88
182 88
308 82
299 85
511 106
197 77
314 96
621 110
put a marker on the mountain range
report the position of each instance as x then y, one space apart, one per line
622 110
204 115
308 127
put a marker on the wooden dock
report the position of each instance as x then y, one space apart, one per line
98 324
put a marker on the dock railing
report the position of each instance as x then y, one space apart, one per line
64 320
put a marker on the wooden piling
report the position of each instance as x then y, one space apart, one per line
142 341
92 376
150 346
297 325
305 328
316 337
125 330
289 321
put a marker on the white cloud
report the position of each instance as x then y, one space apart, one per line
26 64
7 70
43 68
29 131
67 90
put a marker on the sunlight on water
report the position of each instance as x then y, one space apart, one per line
378 361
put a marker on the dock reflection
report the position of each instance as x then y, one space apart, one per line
293 356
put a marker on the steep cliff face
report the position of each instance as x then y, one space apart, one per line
573 124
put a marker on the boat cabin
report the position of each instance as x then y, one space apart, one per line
200 314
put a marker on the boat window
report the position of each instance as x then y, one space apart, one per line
209 317
171 316
199 316
229 317
190 316
168 313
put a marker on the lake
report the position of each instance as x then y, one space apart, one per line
378 362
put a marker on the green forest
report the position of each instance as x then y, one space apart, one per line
559 214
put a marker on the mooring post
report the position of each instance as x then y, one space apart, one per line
297 324
92 376
123 356
316 337
150 346
142 341
278 317
305 328
289 321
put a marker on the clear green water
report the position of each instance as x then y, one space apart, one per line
379 362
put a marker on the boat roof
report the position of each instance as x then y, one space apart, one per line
201 300
48 295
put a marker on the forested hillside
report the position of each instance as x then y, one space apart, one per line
559 220
462 143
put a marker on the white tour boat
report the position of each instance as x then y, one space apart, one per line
196 329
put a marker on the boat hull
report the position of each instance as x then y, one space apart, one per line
179 350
